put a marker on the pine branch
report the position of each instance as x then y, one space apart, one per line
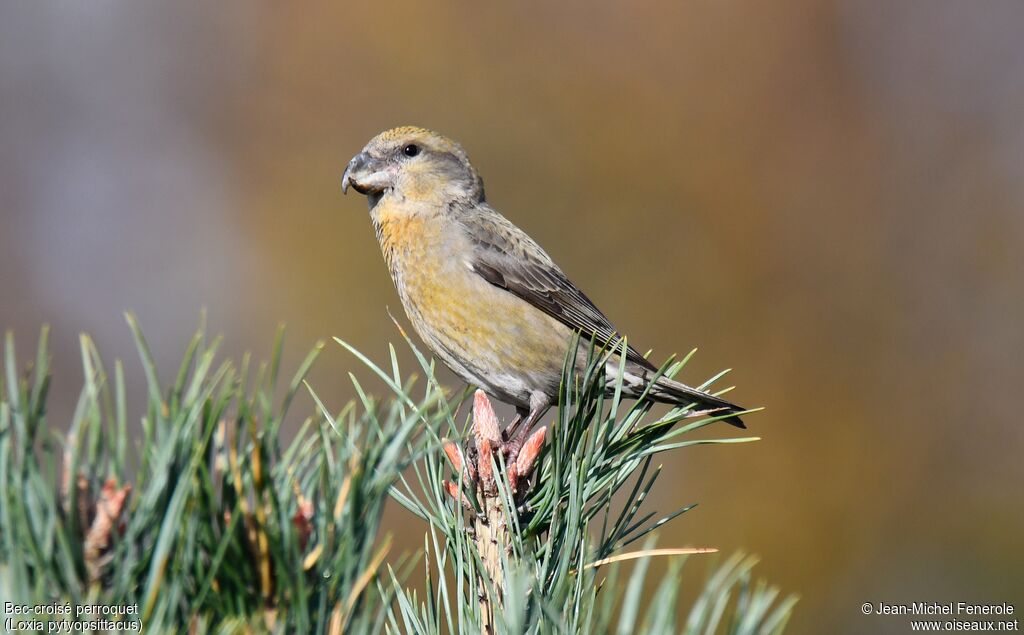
208 522
539 533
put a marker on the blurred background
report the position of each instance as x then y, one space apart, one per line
827 197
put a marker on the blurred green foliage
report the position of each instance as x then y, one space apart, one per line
208 524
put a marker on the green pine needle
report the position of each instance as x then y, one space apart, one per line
228 529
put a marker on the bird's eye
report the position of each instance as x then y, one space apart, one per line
411 150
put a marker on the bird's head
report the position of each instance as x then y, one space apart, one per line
413 164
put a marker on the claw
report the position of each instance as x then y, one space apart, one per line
520 453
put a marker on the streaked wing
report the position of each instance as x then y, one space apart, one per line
509 259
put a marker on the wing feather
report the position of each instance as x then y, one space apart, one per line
506 257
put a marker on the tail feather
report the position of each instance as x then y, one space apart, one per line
667 390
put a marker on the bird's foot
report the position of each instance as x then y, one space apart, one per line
514 442
517 456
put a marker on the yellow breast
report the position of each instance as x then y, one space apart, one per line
485 334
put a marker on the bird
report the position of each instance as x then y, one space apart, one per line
480 292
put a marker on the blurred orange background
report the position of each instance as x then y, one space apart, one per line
827 197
